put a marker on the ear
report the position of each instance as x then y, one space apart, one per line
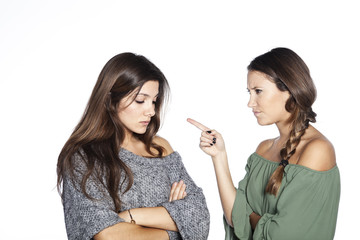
290 102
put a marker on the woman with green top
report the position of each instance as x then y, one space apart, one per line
291 189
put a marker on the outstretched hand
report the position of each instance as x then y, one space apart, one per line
211 141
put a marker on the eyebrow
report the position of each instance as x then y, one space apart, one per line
146 95
252 88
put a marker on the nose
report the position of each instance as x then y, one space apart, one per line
252 102
150 110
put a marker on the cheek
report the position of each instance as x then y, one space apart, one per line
274 105
128 114
131 110
280 111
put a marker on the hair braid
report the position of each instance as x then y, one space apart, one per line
290 73
299 126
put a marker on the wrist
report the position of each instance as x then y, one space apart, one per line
125 215
131 220
220 156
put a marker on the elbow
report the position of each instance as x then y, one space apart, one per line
204 227
201 232
206 231
228 217
229 221
198 231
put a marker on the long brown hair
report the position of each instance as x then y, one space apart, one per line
99 134
290 73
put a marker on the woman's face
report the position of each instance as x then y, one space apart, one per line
136 115
266 100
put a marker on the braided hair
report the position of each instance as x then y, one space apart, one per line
290 73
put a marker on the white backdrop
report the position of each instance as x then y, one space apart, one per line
51 53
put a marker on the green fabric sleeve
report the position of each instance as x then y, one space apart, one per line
229 231
306 209
240 214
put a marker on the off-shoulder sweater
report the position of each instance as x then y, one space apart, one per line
153 177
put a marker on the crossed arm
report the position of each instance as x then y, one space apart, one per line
150 223
130 231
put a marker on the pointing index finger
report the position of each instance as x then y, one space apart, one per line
198 125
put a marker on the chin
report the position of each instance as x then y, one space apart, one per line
140 131
262 123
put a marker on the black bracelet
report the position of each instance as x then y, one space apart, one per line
132 220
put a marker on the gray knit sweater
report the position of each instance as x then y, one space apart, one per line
151 188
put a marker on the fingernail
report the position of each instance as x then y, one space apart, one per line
211 144
208 131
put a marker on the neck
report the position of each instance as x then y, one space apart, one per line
134 145
284 131
129 140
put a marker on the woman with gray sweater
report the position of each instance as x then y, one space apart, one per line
118 180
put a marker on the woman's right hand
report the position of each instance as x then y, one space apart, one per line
211 141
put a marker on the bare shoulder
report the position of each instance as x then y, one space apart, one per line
318 154
264 146
163 143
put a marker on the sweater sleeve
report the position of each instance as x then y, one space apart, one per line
86 217
190 214
307 208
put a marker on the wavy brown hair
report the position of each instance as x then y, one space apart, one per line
99 134
290 73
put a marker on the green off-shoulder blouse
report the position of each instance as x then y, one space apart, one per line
306 206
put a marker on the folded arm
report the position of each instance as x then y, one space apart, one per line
190 214
156 217
128 231
87 218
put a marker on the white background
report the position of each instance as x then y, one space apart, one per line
51 53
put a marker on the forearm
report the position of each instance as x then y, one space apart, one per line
128 231
153 217
226 187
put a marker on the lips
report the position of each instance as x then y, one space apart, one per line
256 113
145 122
